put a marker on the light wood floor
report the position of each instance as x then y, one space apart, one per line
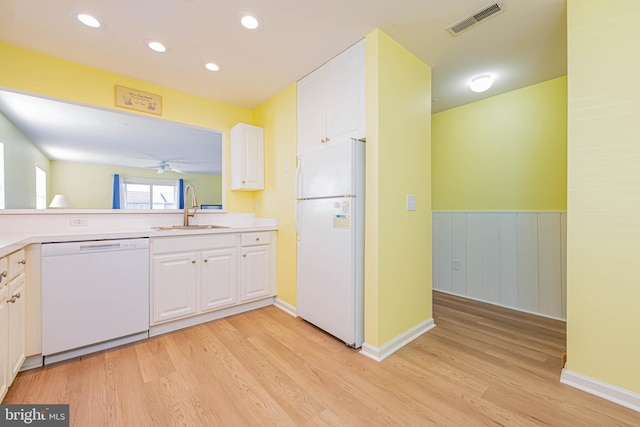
481 365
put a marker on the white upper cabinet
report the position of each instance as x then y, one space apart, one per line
247 157
331 101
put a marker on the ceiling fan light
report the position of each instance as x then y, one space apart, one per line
481 83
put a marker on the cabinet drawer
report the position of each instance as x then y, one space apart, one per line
163 245
253 239
4 271
17 261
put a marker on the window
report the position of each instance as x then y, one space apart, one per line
41 188
145 194
1 176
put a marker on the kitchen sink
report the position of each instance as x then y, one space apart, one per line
188 227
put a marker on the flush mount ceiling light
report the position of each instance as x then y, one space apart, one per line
481 83
157 46
249 21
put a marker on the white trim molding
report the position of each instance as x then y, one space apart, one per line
387 349
286 307
619 395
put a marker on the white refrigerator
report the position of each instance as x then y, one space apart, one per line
330 229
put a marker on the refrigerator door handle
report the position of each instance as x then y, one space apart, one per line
298 178
298 192
298 219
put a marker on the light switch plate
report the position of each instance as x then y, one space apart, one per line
411 202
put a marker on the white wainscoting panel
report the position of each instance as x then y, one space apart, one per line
434 255
474 255
549 265
513 259
444 253
491 257
508 260
527 262
459 247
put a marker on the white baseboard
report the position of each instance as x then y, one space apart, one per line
286 307
510 307
601 389
32 362
174 325
387 349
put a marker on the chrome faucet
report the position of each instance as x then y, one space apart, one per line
194 203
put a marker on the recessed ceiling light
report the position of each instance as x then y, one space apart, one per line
157 46
211 66
88 20
249 21
481 83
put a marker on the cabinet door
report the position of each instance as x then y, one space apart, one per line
174 286
219 268
247 157
346 95
17 325
4 341
311 112
254 158
255 274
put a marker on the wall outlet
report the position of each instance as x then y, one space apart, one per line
78 221
455 264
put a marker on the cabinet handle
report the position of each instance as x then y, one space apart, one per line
257 239
327 140
12 300
244 255
22 261
244 182
206 260
4 273
322 140
193 261
15 295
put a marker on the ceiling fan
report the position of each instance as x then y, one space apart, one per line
163 166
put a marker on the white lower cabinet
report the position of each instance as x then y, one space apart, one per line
12 318
175 281
255 266
4 341
219 268
17 325
196 275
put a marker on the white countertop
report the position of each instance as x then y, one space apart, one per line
13 241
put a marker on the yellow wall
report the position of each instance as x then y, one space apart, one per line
603 245
70 179
508 152
278 117
45 75
398 242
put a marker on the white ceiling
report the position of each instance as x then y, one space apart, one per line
523 45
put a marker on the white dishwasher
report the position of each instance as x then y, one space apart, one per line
95 295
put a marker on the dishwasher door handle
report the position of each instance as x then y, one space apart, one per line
93 248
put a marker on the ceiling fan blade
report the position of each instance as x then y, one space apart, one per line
176 170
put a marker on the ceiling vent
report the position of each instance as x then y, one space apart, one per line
475 18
